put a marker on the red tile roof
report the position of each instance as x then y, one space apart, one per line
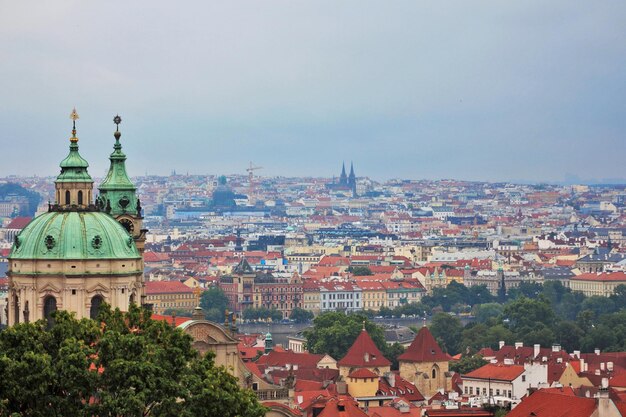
166 287
362 373
19 223
278 358
496 371
168 319
364 353
424 348
342 407
549 404
601 276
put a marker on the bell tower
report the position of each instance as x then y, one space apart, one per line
118 195
74 185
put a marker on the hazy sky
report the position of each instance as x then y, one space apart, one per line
485 90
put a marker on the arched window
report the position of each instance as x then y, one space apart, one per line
49 307
96 302
434 373
132 299
80 198
67 198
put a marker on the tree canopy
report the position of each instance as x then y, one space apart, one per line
214 303
334 332
123 364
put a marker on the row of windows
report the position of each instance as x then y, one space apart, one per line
341 296
469 390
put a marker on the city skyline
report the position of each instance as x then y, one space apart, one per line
480 91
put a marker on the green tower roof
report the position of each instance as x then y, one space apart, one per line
74 235
74 166
117 190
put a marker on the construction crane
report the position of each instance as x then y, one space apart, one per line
251 192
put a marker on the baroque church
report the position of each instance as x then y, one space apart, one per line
85 250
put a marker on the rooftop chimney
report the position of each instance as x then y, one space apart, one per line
556 347
536 350
519 345
596 351
500 344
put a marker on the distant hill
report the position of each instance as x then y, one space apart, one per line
12 190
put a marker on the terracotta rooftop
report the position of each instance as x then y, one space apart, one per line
364 353
166 287
424 348
550 404
496 371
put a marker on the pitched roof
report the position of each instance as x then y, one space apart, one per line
424 348
496 371
550 404
19 223
166 287
362 373
364 353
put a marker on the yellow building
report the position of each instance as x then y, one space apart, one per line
374 295
166 295
600 283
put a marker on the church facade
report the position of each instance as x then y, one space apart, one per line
83 251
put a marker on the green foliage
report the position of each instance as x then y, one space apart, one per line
447 330
214 303
484 313
177 312
334 332
361 271
300 315
125 364
467 364
455 295
262 313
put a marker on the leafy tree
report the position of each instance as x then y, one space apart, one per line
392 352
361 271
569 335
467 364
125 364
301 315
599 305
479 294
386 312
177 312
525 312
447 330
484 312
334 332
262 313
214 303
525 289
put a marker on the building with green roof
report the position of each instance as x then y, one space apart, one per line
78 254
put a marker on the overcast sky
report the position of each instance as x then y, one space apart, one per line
482 90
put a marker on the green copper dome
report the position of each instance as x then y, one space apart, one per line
74 235
74 167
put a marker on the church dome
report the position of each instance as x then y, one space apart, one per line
74 235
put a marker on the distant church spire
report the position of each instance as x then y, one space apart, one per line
343 178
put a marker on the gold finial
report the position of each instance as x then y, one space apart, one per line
74 116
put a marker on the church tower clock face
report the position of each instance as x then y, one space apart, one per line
128 225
